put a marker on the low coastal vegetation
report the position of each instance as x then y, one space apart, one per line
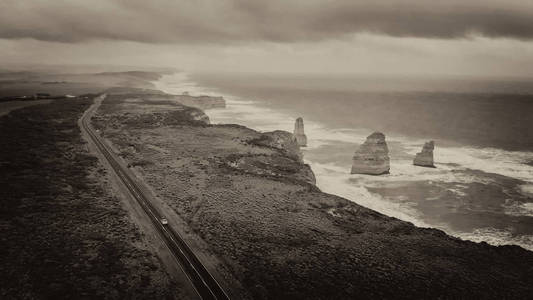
34 85
63 234
254 204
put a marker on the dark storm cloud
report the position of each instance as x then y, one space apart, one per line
227 21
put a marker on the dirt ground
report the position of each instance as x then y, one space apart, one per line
269 233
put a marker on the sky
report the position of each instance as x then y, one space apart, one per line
421 37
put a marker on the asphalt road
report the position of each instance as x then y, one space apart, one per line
204 283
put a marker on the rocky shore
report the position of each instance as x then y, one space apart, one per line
251 199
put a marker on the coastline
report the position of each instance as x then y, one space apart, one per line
277 234
333 178
249 206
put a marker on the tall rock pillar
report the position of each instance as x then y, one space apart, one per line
301 138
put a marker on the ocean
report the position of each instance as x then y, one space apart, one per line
482 188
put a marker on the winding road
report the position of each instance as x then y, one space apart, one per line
205 284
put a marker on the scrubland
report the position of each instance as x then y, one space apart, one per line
63 234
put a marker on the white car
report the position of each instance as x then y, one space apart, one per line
164 221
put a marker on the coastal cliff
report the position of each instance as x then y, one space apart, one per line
286 163
372 157
281 140
249 198
424 158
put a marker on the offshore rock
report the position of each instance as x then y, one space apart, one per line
372 157
425 157
301 138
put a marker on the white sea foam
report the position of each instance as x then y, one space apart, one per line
519 209
331 179
497 237
527 189
489 160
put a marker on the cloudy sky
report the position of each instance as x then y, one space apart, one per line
470 37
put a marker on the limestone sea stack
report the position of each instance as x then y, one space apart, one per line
425 157
372 157
301 138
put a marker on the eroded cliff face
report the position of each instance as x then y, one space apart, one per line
281 140
301 138
372 157
287 162
272 165
424 158
199 115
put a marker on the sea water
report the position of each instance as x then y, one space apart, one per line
482 186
